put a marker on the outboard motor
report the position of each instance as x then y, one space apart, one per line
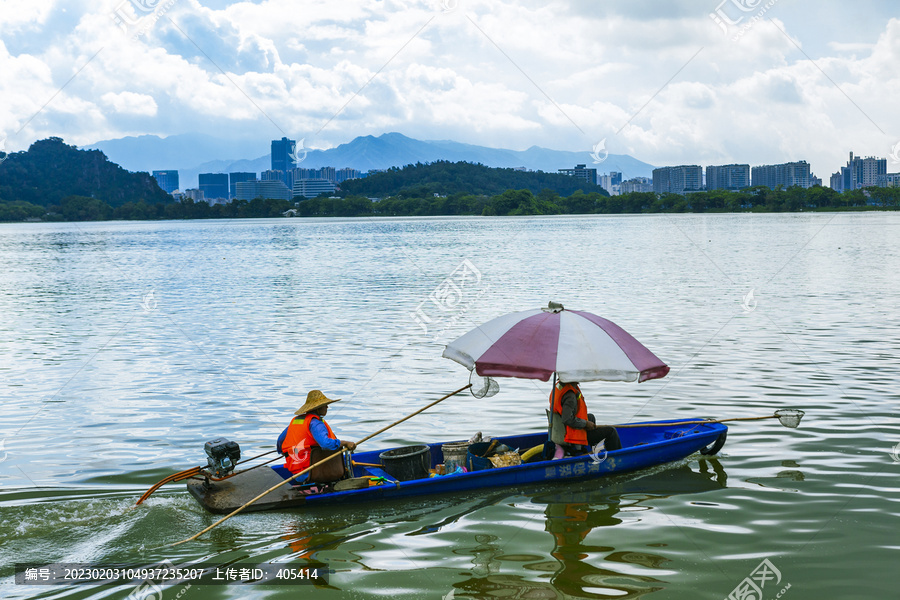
222 456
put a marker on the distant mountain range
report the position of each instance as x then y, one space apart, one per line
192 154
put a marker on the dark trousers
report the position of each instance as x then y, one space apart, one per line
606 433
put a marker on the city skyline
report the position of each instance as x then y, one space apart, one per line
719 83
859 173
244 185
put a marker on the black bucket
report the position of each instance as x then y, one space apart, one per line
405 464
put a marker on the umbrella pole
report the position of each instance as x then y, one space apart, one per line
552 390
311 467
550 418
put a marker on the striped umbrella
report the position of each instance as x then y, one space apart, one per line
577 345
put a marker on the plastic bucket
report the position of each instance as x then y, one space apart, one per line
405 464
454 455
476 463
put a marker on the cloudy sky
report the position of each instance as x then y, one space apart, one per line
669 82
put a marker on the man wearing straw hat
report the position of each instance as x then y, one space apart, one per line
304 439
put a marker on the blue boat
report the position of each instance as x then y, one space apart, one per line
642 447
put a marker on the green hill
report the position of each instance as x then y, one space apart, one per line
447 178
50 170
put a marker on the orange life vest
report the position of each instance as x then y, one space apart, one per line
299 440
573 435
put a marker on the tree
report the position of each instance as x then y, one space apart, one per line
514 200
82 208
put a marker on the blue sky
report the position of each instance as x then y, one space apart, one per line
677 82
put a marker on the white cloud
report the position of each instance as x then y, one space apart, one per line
130 103
24 15
279 67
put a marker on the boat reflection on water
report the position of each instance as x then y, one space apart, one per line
570 517
564 568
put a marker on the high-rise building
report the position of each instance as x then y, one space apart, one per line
283 154
611 182
287 178
889 180
195 195
678 180
167 180
235 178
346 173
727 177
636 184
837 182
605 181
785 174
329 173
214 185
275 189
581 172
860 173
310 188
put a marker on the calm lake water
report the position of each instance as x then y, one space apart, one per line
126 346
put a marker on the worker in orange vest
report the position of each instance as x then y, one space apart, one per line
572 427
306 431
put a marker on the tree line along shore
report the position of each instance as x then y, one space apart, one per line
53 181
508 203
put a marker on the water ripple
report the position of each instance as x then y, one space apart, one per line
127 345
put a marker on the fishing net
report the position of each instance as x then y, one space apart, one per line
482 387
789 417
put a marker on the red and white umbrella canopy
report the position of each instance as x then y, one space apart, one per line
533 344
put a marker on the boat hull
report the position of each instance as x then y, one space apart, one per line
642 447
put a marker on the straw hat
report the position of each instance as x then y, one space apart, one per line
314 400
